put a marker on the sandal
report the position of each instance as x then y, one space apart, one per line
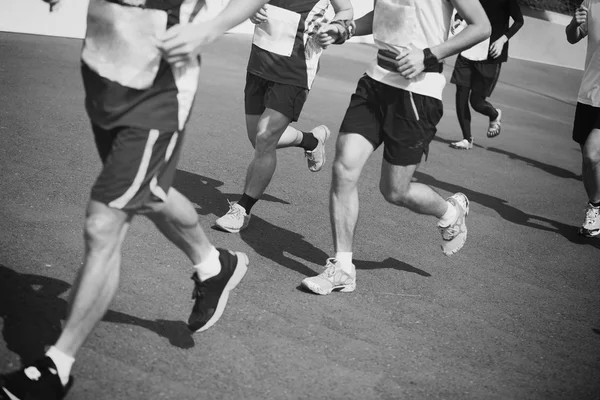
495 126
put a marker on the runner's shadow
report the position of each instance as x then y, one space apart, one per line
203 192
273 242
551 169
509 212
390 263
32 312
448 142
268 240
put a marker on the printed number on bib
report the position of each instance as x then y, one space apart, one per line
278 34
394 24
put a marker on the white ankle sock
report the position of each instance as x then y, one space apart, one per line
345 259
63 363
448 217
209 267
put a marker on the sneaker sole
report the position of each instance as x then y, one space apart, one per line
319 290
327 134
588 233
240 271
231 230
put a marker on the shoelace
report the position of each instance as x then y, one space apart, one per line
199 288
451 231
235 211
329 268
591 214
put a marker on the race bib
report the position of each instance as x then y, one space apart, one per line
395 23
278 34
119 43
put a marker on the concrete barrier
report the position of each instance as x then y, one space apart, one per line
542 39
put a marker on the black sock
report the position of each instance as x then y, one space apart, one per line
309 141
247 202
595 204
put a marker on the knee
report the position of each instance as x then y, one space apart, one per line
252 139
266 140
476 101
344 175
591 155
394 194
101 229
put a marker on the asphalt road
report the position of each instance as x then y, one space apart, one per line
514 315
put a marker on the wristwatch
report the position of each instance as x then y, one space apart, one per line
430 61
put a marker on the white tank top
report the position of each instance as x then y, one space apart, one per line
400 24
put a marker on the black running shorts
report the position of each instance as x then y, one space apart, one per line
138 166
261 93
481 77
404 122
587 118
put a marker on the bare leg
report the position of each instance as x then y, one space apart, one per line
591 166
178 221
291 137
397 188
352 152
270 128
98 278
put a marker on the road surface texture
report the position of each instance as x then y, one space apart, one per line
514 315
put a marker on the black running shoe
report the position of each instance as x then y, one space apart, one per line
211 295
38 381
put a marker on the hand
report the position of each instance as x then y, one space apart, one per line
411 63
455 25
260 16
182 43
497 47
328 34
581 15
54 4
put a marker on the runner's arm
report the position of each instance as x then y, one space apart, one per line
181 44
517 16
343 10
577 29
477 30
364 25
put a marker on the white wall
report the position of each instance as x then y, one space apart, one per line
541 39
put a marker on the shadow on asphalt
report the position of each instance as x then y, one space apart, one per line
268 240
551 169
204 193
511 213
390 263
32 311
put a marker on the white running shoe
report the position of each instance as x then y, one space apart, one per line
235 220
591 224
454 235
333 278
316 157
464 144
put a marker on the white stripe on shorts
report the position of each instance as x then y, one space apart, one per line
141 173
154 188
